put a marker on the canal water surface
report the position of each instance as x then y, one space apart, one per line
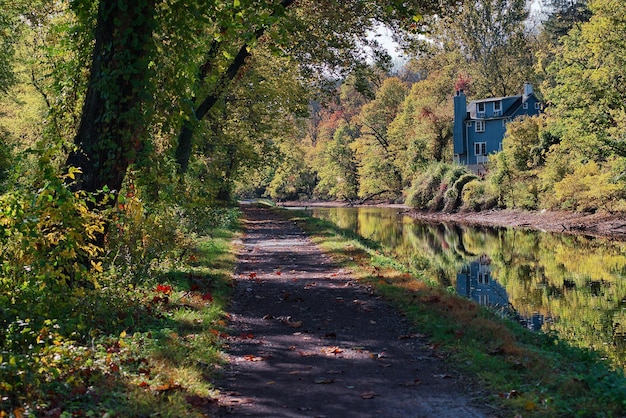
574 286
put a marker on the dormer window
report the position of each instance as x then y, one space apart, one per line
525 105
537 106
497 108
480 109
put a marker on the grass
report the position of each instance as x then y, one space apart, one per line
523 373
151 348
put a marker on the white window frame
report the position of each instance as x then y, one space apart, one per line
497 108
480 126
480 148
537 106
525 105
480 109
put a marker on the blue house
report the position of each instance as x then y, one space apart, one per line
479 126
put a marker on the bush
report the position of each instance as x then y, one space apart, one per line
431 189
454 194
476 196
588 188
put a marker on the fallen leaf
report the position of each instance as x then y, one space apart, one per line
443 376
292 324
368 395
530 406
208 297
167 386
324 380
250 357
252 275
332 350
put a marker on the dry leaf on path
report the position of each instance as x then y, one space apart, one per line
368 395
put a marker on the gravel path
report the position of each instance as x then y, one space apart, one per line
309 341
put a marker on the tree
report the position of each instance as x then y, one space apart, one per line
113 121
491 36
322 36
588 95
375 150
563 15
337 169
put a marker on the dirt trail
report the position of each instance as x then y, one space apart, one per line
308 341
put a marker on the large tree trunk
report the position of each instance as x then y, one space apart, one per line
113 120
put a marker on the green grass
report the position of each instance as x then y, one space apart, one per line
523 373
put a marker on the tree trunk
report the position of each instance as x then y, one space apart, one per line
113 120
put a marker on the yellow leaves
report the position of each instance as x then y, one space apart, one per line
97 266
71 173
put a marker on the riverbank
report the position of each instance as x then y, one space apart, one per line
594 224
600 224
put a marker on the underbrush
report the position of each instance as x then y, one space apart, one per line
137 333
524 373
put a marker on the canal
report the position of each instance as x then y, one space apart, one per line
572 286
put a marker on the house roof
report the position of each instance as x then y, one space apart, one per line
512 105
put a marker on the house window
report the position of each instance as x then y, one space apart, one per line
504 123
480 108
538 106
525 105
480 148
497 108
483 299
480 126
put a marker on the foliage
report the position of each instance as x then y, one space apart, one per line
337 169
123 347
439 187
491 36
588 188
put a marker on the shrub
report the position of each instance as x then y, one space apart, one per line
430 189
588 188
454 194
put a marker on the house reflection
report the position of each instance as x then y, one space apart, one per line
474 281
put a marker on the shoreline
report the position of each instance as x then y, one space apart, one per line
599 224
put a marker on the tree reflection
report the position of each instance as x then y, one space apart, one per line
573 286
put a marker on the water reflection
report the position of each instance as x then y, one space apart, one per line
574 286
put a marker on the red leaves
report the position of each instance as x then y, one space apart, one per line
208 297
165 289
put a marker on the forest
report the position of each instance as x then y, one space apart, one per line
128 130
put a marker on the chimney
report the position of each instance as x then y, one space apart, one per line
528 89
